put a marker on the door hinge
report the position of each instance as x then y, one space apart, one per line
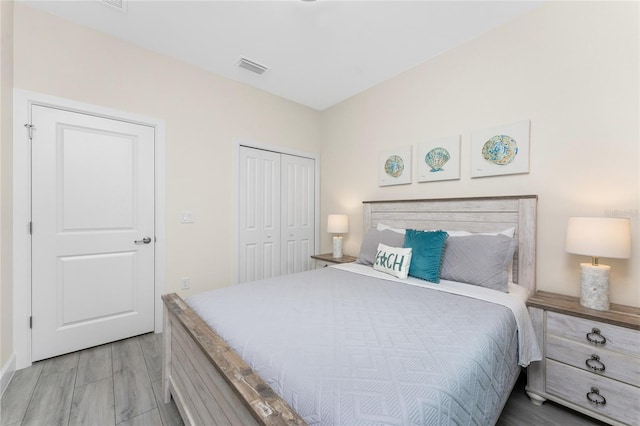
30 128
30 228
30 322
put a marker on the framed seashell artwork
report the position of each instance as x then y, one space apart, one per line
502 150
439 159
394 166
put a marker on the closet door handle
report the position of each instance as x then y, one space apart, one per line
145 240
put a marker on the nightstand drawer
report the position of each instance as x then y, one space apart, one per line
573 385
615 365
323 260
321 264
562 326
618 339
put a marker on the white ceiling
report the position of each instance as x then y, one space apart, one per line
318 53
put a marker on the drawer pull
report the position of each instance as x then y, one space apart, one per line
595 398
594 363
595 337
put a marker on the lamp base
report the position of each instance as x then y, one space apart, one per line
337 247
594 286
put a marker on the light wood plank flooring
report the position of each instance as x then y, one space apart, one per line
119 384
114 384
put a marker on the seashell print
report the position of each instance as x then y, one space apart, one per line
437 158
500 150
394 166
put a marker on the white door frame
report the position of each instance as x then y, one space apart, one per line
22 102
236 191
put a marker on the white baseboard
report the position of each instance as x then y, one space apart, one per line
7 372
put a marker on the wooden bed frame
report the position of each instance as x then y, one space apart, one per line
212 385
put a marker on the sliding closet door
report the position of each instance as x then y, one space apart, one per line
298 213
259 215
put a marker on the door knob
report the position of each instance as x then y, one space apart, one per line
145 240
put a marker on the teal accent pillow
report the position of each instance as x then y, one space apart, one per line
427 250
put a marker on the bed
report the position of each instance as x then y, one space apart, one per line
347 345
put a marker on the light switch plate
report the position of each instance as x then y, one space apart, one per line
185 283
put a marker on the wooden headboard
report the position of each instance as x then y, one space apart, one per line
477 214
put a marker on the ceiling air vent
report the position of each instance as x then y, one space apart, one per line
252 66
121 5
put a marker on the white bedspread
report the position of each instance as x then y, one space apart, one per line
528 349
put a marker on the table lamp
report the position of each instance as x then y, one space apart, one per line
337 224
597 237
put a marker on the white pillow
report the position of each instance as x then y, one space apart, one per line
393 260
509 232
383 227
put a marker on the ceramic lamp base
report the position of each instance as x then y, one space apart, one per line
594 290
337 247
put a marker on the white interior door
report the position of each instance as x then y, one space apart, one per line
259 215
298 213
93 231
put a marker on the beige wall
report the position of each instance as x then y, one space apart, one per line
203 113
6 170
569 67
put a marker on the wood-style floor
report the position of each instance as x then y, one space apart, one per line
120 384
114 384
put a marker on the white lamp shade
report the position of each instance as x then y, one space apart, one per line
599 237
338 224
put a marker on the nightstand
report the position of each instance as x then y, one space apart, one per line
591 358
327 259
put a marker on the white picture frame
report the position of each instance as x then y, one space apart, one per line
439 159
394 166
502 150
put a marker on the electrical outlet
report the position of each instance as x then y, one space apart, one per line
185 282
186 217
